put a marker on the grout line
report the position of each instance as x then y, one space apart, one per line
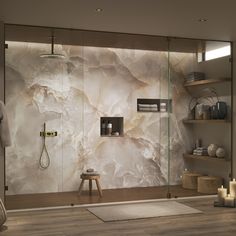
109 204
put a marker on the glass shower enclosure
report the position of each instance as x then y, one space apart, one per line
138 83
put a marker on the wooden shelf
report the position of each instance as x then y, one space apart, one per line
207 81
203 158
187 121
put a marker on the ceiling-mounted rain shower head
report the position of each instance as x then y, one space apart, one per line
52 55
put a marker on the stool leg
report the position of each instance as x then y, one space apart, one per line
98 187
90 187
81 186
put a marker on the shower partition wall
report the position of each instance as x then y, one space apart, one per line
135 82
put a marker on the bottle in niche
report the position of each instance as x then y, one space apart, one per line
198 143
103 128
163 107
109 128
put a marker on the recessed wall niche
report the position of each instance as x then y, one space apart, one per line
154 105
111 126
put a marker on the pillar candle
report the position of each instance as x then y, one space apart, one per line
229 201
232 188
222 193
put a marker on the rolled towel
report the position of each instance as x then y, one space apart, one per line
148 109
90 170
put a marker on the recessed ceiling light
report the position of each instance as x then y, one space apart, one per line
202 20
99 9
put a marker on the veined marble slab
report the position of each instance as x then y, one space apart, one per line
71 95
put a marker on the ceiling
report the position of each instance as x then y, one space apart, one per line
178 18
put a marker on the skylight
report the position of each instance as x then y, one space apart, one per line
216 53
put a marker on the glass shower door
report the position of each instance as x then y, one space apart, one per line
34 98
190 134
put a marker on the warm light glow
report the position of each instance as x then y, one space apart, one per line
202 20
216 53
99 9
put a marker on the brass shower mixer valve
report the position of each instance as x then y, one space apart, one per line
48 133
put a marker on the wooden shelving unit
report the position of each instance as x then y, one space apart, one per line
187 121
207 81
203 158
209 165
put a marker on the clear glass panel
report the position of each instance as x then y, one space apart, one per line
193 82
43 90
34 91
103 76
127 81
140 85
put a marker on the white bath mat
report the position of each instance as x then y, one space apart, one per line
141 210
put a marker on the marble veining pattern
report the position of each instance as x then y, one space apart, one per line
71 95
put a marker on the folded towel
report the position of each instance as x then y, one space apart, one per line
147 105
148 109
4 127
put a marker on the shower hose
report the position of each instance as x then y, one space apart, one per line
42 163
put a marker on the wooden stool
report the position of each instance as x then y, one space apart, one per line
209 184
90 178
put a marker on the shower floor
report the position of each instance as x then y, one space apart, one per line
109 195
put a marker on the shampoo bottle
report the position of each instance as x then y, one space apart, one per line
103 128
109 127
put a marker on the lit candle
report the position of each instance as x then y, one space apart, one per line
229 201
232 188
222 193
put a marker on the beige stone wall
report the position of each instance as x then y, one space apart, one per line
72 95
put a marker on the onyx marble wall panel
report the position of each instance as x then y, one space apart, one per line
71 95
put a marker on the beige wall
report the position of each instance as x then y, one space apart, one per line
1 98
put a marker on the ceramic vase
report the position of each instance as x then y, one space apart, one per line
212 150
